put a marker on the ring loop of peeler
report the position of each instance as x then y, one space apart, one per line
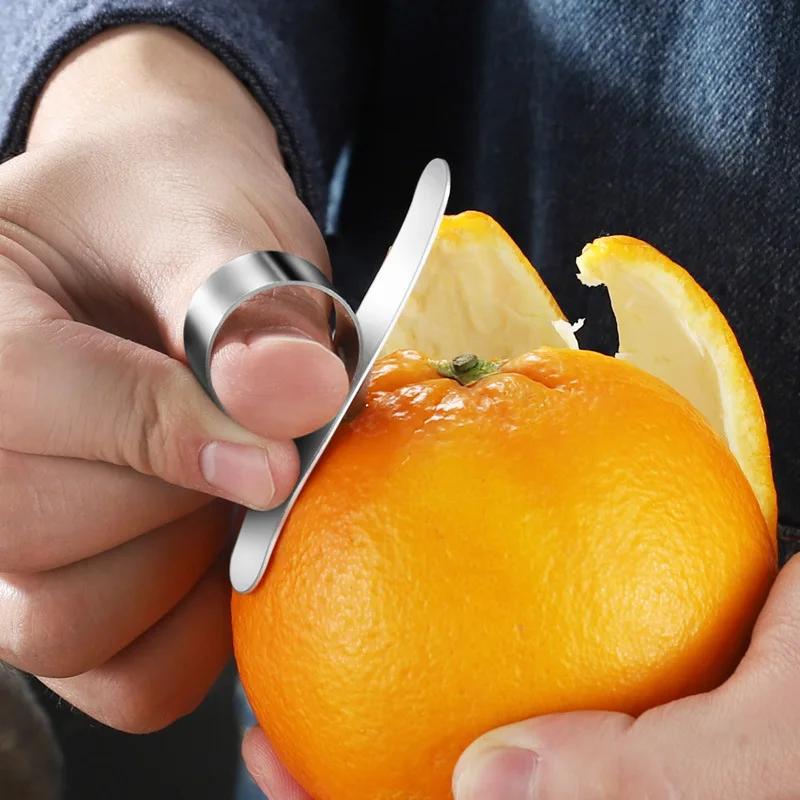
244 277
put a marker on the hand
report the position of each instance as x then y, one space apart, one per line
148 166
739 742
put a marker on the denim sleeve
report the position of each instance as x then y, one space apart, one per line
303 60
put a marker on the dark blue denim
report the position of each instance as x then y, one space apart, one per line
676 121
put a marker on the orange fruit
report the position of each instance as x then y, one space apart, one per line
493 540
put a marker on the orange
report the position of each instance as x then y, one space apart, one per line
493 540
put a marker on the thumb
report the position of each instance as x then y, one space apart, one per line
560 756
738 741
273 368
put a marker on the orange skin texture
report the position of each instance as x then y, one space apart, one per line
565 534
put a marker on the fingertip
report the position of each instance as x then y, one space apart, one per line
255 746
266 769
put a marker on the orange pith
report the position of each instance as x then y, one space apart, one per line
569 532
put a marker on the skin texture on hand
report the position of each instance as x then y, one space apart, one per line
148 166
739 742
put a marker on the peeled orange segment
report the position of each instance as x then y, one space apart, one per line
478 292
670 327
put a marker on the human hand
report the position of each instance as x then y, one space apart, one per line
739 742
148 166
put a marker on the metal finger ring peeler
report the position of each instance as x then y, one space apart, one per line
357 339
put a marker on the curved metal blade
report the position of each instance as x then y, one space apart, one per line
377 315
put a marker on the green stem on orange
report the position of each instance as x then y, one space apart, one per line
466 368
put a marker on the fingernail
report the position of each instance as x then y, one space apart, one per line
240 471
507 773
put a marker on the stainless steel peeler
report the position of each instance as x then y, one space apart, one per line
357 338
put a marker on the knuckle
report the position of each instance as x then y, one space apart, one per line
26 507
17 367
634 776
150 442
143 440
776 642
11 512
